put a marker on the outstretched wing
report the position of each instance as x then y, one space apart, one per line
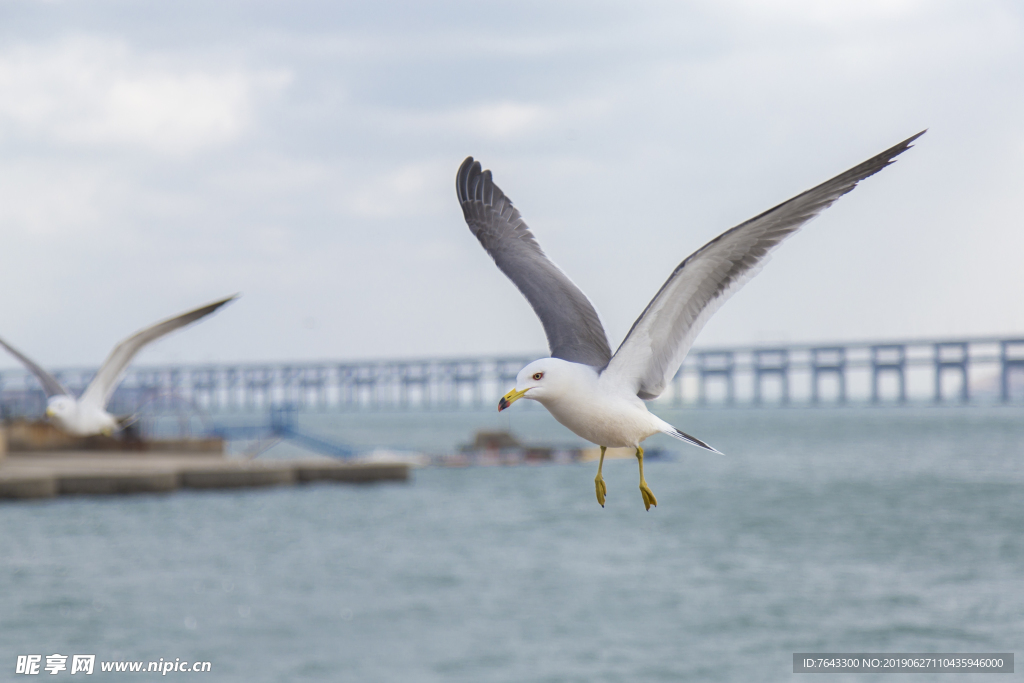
570 322
50 384
110 373
661 337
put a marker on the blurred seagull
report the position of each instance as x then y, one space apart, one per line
88 415
600 396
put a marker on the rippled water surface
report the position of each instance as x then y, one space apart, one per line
829 530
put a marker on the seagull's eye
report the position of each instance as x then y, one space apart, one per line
538 375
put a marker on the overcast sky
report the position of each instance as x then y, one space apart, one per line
158 155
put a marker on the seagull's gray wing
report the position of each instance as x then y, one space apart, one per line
50 384
570 322
659 340
110 373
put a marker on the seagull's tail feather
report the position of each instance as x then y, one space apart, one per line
127 420
682 436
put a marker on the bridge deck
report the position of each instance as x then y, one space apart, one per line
937 370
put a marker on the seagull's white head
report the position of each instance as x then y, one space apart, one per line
543 380
61 408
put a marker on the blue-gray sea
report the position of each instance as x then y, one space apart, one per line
828 530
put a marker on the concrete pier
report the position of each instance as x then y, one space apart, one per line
59 473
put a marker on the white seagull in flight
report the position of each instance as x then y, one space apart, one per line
87 415
598 395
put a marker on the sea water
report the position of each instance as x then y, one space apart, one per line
829 530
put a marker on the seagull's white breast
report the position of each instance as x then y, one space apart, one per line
607 415
86 419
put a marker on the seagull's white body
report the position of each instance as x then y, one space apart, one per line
589 404
80 418
599 395
87 415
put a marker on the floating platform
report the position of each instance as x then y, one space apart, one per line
57 473
502 449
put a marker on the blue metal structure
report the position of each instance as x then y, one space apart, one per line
282 423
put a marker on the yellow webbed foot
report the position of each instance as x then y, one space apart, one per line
645 490
648 495
602 490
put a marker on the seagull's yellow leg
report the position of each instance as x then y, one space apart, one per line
645 490
602 490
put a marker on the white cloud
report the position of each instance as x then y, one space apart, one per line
46 200
90 92
405 191
499 120
826 14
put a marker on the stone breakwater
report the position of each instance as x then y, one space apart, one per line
45 475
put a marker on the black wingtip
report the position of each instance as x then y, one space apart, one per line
203 311
464 185
464 167
213 306
914 137
475 185
890 154
849 179
683 436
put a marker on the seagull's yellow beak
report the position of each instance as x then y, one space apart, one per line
49 412
510 398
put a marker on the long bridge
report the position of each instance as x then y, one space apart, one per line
958 371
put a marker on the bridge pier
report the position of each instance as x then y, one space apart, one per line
952 356
467 373
414 375
1011 357
888 358
204 385
313 380
825 361
365 377
771 363
717 364
258 382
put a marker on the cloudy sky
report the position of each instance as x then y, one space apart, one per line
158 155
